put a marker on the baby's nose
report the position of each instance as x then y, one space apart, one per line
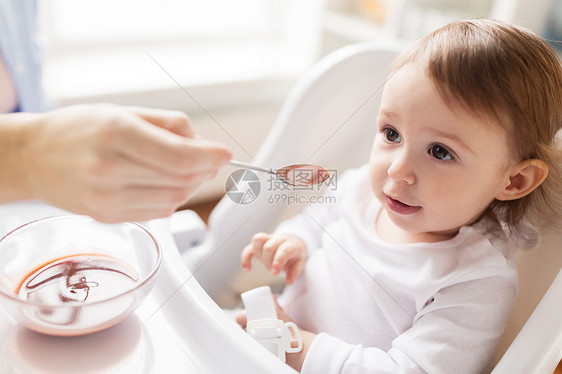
401 169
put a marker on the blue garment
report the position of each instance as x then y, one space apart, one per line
20 52
553 28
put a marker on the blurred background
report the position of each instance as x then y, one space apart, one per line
230 64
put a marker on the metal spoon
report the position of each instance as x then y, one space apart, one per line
296 175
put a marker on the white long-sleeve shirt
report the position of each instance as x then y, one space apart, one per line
386 308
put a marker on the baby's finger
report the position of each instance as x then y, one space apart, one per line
294 270
285 253
246 257
269 249
242 319
258 240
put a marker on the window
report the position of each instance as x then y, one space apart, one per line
94 48
81 23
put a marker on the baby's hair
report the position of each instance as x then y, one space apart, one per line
510 77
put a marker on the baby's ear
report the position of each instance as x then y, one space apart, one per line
526 176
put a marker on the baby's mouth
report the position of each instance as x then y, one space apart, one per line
400 207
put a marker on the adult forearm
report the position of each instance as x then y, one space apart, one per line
15 130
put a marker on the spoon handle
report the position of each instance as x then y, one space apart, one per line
249 166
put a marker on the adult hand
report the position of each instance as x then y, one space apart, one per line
110 162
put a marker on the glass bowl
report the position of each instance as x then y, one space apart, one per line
71 275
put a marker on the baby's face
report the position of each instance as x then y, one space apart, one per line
434 168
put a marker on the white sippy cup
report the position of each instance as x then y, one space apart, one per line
264 326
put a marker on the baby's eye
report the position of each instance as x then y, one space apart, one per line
391 135
440 152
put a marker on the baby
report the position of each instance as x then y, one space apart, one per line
413 270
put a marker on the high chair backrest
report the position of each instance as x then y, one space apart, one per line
533 337
330 119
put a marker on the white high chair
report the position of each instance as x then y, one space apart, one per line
329 119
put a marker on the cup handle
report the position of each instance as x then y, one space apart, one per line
290 339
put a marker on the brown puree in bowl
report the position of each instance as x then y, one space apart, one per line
78 278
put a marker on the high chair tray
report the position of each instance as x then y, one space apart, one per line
177 329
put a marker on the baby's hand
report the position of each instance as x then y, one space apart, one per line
277 252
